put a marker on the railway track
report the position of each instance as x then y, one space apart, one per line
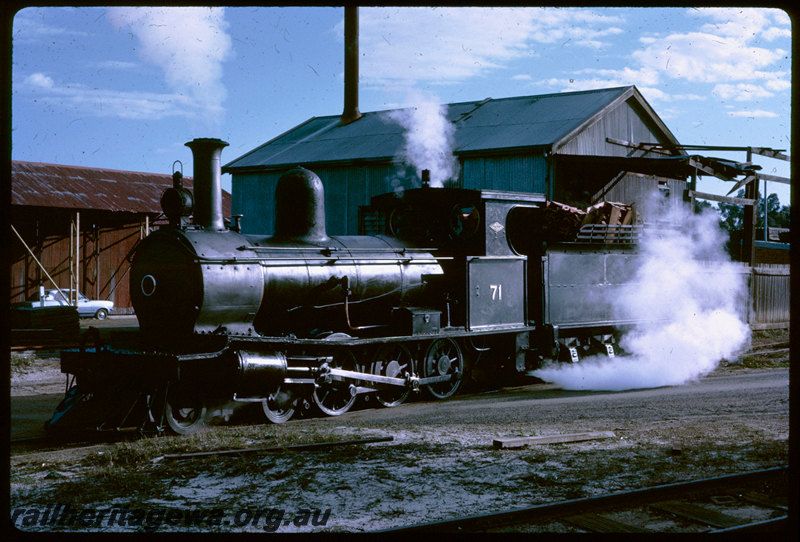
755 501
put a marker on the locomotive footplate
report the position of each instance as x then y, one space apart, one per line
451 332
98 364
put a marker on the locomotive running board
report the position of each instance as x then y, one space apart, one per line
446 332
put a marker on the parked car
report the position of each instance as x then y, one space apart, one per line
87 308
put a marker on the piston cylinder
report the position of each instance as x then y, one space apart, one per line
260 374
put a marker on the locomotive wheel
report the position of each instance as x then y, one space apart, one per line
336 397
393 359
276 414
443 357
184 411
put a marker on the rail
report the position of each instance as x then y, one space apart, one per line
672 499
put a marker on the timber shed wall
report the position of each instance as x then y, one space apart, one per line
105 244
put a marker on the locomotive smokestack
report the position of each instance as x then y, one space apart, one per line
426 178
208 182
351 112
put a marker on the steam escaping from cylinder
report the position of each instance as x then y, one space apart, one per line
691 301
428 141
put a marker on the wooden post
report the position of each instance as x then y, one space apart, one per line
749 231
96 229
77 255
111 295
766 213
35 259
71 259
748 241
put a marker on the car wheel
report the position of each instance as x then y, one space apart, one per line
101 314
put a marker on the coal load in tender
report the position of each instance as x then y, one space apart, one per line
561 223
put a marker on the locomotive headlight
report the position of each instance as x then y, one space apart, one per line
148 285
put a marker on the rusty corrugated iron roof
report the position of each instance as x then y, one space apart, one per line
76 187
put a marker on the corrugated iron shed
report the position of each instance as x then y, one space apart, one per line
490 125
37 184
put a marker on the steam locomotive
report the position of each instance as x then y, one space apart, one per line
454 281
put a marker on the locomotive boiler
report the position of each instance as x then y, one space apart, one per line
208 279
452 280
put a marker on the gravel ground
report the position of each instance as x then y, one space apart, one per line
440 463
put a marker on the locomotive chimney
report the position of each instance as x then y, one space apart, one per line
208 182
351 112
426 178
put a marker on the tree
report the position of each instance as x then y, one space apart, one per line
701 205
733 214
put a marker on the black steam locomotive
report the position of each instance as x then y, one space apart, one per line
457 280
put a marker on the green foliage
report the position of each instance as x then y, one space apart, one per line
701 205
732 215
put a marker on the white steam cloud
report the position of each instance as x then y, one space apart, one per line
689 298
429 139
188 43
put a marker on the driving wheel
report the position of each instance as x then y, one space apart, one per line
443 358
335 397
392 359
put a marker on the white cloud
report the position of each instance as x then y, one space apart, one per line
724 50
757 113
778 85
446 45
115 65
576 84
111 103
773 33
626 76
741 92
191 58
705 58
745 24
39 80
590 79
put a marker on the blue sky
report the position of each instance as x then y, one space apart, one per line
125 88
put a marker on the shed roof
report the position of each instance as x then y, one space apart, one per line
489 125
76 187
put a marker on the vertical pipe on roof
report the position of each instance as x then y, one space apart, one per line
208 182
351 112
